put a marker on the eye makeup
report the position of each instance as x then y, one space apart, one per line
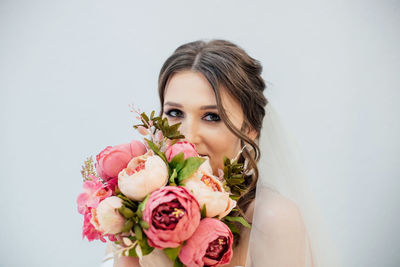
176 113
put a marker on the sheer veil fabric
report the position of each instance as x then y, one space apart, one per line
287 229
286 226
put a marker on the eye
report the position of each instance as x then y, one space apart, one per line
174 113
212 117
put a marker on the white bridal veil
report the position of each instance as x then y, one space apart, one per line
287 229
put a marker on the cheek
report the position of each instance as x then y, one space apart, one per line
222 143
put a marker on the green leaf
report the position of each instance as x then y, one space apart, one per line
128 202
233 228
144 245
169 131
173 128
172 177
137 125
143 203
152 146
157 151
234 181
138 232
126 212
236 198
172 253
178 263
203 211
191 165
178 161
144 224
233 174
127 226
226 161
144 116
239 220
142 206
132 252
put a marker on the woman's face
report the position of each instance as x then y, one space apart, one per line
190 100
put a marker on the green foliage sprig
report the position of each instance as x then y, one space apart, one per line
132 211
234 178
169 131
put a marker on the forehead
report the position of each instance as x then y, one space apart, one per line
192 89
189 88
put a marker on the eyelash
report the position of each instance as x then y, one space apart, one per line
168 113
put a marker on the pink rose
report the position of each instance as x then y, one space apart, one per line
112 160
173 215
210 245
188 149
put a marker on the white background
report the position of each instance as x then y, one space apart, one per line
69 70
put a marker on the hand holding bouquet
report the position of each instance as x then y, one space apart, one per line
161 194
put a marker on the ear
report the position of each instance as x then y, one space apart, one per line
250 131
252 134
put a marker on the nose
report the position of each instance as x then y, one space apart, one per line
190 129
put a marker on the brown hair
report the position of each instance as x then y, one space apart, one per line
226 65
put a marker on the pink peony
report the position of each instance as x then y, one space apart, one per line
108 220
143 175
210 245
112 184
188 149
209 191
112 160
173 215
89 230
94 192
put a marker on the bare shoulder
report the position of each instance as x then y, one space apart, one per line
276 214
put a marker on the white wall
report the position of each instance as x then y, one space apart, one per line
69 69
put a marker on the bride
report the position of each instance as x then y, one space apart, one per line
215 90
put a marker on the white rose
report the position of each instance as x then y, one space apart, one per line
208 191
143 175
109 220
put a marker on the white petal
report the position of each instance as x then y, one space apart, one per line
138 250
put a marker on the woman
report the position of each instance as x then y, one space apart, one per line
215 90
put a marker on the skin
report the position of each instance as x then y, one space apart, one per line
190 100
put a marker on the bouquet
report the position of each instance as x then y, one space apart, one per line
161 194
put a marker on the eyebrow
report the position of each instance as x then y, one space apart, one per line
179 105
